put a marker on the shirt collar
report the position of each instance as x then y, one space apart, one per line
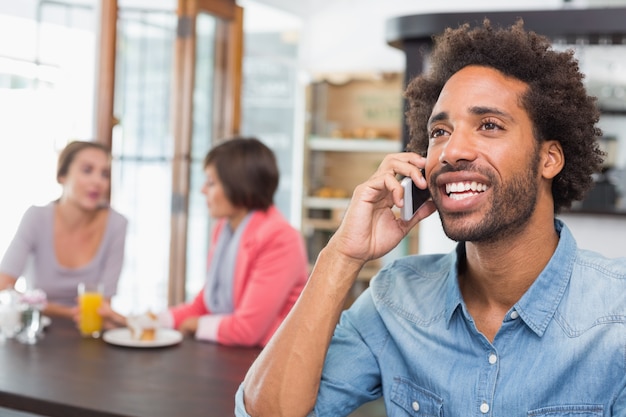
538 305
453 294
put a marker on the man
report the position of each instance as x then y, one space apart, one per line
517 321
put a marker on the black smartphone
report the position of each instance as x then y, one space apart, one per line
414 197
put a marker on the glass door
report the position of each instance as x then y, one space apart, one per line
208 78
176 89
47 56
142 145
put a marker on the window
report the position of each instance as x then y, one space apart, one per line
46 98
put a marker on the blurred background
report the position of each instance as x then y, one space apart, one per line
316 80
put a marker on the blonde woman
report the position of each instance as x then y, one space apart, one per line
77 238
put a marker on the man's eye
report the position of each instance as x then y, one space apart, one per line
490 126
435 133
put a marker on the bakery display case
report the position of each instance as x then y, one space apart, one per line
353 124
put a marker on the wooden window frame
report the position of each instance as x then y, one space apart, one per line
229 51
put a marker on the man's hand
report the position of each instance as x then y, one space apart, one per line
285 378
370 227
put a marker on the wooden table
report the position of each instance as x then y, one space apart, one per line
65 375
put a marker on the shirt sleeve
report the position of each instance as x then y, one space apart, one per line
619 407
351 375
208 324
22 245
208 327
240 409
165 319
194 308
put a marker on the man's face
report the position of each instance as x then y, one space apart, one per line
482 157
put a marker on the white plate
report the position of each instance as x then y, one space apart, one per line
122 337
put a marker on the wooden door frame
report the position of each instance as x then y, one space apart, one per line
229 51
107 39
226 120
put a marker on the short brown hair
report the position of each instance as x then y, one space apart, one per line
247 170
556 100
68 154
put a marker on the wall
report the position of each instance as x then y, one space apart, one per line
349 35
605 234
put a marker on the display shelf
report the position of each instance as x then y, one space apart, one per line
352 127
325 203
368 271
320 224
320 143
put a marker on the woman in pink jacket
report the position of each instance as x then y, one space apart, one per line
257 264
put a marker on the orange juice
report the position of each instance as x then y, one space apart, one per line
90 321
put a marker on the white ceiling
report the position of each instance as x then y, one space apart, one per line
300 8
305 8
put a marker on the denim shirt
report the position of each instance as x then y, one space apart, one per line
561 349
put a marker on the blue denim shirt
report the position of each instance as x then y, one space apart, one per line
561 350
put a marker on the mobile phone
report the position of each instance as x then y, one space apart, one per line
414 197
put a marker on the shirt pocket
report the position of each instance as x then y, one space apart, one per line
407 399
571 410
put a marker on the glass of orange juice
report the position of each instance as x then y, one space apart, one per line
89 300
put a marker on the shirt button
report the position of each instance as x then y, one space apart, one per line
493 358
514 314
416 406
484 408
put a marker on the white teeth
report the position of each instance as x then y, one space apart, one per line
461 196
463 187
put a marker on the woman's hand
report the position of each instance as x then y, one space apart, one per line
110 318
7 282
58 310
370 227
189 326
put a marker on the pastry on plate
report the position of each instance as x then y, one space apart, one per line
143 327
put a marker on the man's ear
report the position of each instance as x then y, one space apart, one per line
552 159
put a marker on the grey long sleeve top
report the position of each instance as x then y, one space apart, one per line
31 254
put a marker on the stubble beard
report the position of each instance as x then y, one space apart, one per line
511 206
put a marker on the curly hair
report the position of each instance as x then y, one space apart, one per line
556 100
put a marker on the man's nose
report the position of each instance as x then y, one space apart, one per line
459 147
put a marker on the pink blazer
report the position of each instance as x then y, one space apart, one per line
270 274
